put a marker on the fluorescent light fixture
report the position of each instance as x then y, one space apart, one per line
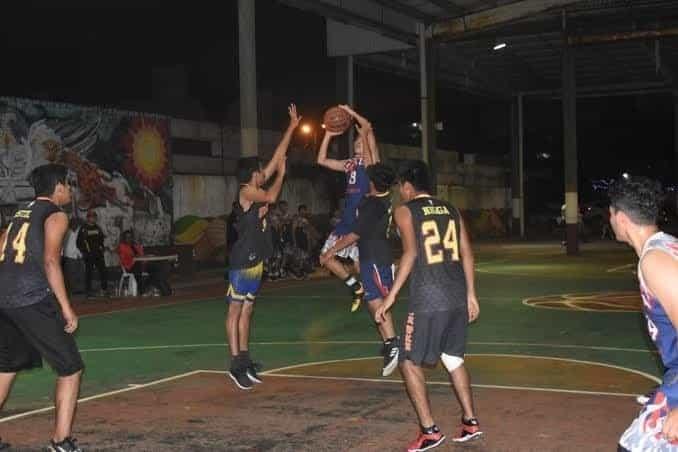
499 46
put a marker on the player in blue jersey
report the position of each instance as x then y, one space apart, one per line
634 207
365 153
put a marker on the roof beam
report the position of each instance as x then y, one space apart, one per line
448 7
500 15
623 36
344 15
409 11
660 62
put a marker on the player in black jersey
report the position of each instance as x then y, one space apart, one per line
371 231
250 250
36 317
442 301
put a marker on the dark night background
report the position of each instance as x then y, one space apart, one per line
108 55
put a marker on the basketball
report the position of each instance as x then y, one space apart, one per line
336 120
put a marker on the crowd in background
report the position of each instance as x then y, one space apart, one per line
296 241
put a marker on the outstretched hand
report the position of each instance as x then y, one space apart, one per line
295 119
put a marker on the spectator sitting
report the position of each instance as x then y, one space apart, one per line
128 249
305 238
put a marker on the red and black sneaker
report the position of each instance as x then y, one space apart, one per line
470 430
426 441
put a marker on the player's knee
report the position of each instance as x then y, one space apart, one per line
450 362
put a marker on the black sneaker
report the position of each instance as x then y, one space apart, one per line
391 352
251 372
240 378
69 444
3 445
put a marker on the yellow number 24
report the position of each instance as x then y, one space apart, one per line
18 244
434 246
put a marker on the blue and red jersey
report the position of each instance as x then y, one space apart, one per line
357 186
660 328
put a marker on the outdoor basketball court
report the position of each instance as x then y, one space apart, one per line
557 357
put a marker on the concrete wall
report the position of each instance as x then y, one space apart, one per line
205 186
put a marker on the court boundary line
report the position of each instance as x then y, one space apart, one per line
503 355
102 395
284 343
581 296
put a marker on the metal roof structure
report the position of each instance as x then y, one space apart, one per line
620 46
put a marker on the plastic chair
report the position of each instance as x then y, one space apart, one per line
127 286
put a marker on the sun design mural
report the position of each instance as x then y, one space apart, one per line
147 152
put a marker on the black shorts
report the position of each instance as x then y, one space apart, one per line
430 334
35 331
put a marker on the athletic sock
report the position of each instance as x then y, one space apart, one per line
430 430
353 283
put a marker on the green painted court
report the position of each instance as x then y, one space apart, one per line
548 323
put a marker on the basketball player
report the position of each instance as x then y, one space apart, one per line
371 232
36 317
365 153
250 250
442 301
634 207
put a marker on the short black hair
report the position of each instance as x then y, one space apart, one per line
45 178
302 206
246 167
416 172
382 176
638 197
282 202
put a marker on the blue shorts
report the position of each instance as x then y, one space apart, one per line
244 283
377 280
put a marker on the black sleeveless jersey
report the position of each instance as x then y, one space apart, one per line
22 263
372 225
437 282
252 244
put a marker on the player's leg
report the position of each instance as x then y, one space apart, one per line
420 347
235 297
452 356
338 270
251 285
6 379
415 384
378 281
65 401
42 325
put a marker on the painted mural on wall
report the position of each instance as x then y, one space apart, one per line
119 164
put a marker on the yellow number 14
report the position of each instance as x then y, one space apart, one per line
434 246
18 244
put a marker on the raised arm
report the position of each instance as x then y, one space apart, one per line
468 263
333 164
253 194
364 128
281 150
